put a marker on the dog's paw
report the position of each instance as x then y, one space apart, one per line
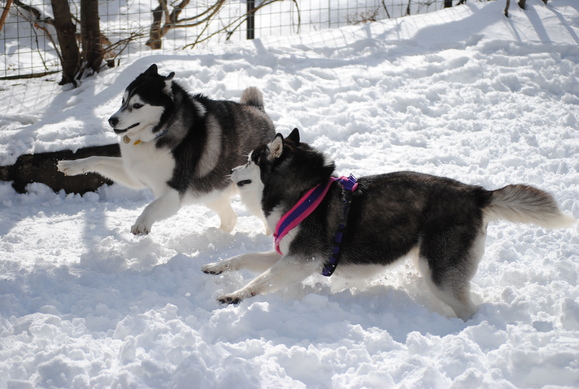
140 229
214 268
71 168
237 296
229 299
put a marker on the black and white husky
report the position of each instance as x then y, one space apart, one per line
373 221
182 147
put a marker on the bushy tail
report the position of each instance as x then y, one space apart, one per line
252 96
526 204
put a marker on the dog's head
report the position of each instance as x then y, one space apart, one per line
284 164
147 101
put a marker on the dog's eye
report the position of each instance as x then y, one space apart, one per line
137 106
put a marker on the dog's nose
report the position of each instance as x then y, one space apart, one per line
113 121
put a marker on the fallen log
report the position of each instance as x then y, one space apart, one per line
41 167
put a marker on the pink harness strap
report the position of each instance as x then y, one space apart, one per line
302 209
306 205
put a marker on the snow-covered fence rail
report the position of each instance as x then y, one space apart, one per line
28 38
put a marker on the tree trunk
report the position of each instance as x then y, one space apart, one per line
5 13
447 3
154 41
41 167
92 51
65 31
158 30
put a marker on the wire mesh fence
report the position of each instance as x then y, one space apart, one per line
28 41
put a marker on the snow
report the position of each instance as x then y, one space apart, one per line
463 92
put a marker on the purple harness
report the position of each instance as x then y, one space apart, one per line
306 205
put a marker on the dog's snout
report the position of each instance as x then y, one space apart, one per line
113 121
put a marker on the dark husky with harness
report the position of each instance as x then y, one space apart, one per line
374 220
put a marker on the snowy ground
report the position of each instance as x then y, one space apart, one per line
464 92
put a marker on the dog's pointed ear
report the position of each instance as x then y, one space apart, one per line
276 146
152 70
169 83
294 136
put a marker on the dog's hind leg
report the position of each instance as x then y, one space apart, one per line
449 280
454 294
252 202
221 205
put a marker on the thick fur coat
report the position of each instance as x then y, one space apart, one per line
182 147
440 220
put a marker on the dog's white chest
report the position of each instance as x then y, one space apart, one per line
148 164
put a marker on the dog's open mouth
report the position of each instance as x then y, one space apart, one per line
126 129
243 183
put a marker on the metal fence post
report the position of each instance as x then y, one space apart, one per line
250 19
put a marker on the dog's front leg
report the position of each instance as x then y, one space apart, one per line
256 262
163 207
287 271
109 167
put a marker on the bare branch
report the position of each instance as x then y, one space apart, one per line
36 20
172 20
205 18
385 9
5 13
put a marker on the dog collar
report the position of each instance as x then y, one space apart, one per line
306 205
127 140
160 134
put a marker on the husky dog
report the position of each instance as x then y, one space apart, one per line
377 222
182 147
